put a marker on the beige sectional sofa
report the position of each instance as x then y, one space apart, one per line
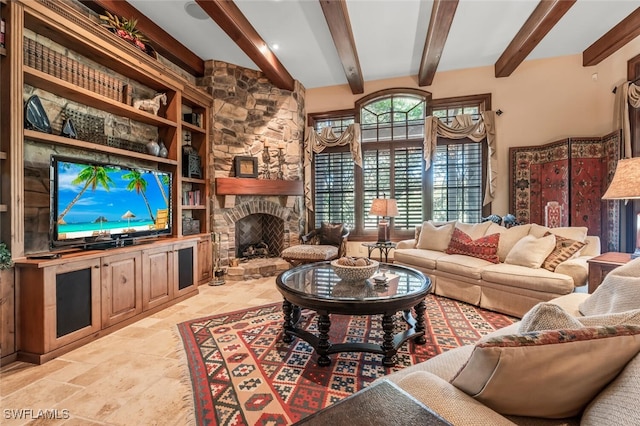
514 278
573 360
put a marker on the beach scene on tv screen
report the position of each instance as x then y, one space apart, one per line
100 201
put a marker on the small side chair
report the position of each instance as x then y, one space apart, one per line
327 243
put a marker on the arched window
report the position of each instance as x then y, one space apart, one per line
392 142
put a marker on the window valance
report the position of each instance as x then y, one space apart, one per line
318 142
464 127
626 94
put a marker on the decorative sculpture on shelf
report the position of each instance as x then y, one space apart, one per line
151 105
266 162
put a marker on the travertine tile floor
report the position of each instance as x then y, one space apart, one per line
135 376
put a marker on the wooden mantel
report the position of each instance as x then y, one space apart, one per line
253 186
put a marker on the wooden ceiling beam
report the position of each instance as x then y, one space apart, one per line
544 17
625 31
229 17
442 15
337 17
162 42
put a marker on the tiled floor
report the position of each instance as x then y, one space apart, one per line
135 376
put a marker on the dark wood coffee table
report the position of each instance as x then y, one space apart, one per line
315 286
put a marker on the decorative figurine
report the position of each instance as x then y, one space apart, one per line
151 105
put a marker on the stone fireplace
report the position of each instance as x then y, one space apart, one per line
251 117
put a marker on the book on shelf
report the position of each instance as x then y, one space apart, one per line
191 198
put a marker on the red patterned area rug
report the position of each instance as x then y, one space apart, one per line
243 374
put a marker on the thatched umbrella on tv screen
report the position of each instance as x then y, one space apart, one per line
128 215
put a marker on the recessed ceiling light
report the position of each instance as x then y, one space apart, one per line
275 46
195 11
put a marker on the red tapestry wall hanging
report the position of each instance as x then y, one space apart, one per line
574 172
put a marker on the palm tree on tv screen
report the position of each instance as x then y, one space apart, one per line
137 183
161 185
91 176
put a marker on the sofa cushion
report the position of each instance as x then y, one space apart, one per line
620 291
617 404
460 264
547 316
565 248
418 257
574 232
474 230
549 374
531 251
483 248
533 279
434 237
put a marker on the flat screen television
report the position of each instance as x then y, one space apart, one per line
100 205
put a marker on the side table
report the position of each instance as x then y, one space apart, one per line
383 247
600 266
380 404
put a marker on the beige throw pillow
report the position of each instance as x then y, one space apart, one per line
435 237
509 237
550 374
531 251
547 316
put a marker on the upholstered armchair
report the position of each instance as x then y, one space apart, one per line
326 243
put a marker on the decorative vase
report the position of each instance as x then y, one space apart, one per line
163 150
153 148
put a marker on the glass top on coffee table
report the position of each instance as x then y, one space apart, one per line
317 280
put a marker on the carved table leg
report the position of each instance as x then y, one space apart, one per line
387 341
287 309
324 324
420 328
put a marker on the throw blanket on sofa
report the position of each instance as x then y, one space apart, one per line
619 292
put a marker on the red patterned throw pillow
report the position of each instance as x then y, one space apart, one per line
483 248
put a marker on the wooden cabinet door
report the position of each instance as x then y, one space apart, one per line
121 287
205 264
59 304
157 276
185 267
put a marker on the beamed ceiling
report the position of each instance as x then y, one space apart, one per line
331 42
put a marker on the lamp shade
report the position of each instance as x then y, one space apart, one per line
385 207
626 181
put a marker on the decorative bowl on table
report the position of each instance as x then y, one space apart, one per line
354 269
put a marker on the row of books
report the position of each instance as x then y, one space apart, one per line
191 198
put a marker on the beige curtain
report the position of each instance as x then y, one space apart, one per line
626 94
464 127
314 142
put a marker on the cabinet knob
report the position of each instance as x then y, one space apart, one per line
105 264
97 266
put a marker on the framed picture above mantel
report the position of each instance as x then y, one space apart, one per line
245 167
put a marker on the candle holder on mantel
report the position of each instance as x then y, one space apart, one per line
218 271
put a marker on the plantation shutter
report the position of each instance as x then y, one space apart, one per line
334 188
457 182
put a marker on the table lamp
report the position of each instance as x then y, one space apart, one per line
385 208
626 186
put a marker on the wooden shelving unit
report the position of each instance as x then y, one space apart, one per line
159 274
